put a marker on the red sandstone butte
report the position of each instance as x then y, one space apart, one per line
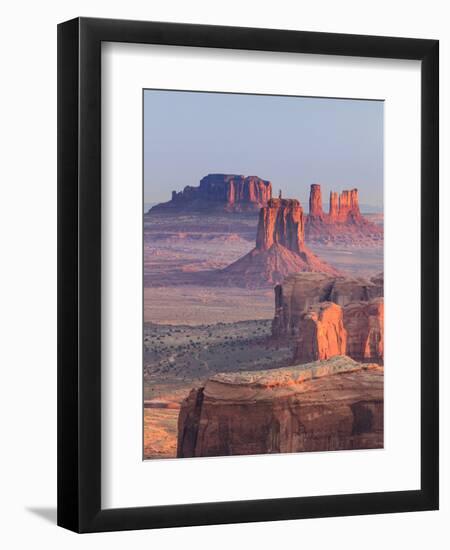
343 223
315 202
321 333
280 249
323 406
281 222
220 192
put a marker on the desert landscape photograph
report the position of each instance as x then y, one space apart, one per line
263 274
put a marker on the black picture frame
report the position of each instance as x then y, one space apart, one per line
79 274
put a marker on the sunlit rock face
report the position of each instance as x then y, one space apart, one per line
321 333
323 316
343 223
323 406
299 291
280 249
281 222
221 192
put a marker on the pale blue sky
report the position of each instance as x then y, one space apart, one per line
292 141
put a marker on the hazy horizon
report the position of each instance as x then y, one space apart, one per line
291 141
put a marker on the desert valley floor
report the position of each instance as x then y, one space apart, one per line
195 326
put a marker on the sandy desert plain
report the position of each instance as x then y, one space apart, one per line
195 328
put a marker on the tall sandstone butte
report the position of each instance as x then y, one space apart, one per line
315 202
227 192
281 222
343 223
280 249
323 406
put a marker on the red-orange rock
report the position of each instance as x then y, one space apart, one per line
364 322
226 192
323 406
343 223
333 213
315 202
281 222
349 206
293 298
280 249
321 333
308 313
299 291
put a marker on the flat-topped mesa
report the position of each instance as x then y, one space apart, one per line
322 406
315 201
228 192
281 222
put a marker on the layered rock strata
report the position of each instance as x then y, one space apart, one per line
280 248
322 406
364 323
300 291
321 333
221 192
356 330
343 223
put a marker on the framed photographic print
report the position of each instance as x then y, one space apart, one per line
248 274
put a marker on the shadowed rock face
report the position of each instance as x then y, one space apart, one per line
300 291
325 316
364 322
228 192
280 249
323 406
343 222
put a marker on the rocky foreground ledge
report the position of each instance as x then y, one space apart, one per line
322 406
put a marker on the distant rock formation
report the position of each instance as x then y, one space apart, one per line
221 192
323 406
325 316
343 224
280 248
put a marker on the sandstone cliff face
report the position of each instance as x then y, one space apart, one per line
324 316
280 249
364 322
315 202
343 223
227 192
321 333
323 406
302 290
356 330
281 222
